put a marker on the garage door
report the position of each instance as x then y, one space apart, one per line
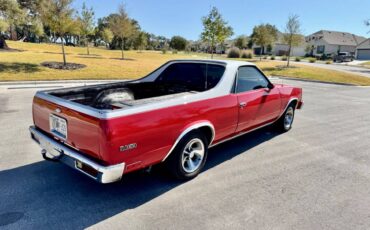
363 54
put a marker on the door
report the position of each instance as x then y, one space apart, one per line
363 54
258 101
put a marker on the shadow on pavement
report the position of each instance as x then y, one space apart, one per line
51 195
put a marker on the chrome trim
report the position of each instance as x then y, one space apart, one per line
260 127
189 129
106 174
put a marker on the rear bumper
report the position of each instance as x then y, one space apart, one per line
74 159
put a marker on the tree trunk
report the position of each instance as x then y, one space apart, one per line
13 33
123 57
289 50
212 45
64 54
261 53
87 45
3 44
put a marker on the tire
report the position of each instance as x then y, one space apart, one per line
285 122
189 156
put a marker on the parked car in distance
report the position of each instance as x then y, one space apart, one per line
343 57
173 115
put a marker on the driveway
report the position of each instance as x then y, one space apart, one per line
362 71
316 176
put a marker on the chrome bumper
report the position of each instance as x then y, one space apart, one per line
72 158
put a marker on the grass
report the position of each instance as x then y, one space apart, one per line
101 64
106 64
312 73
366 64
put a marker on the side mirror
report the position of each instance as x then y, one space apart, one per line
270 86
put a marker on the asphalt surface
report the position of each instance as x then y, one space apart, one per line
317 176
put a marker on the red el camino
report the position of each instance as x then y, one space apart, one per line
173 115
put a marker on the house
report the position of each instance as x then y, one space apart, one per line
280 48
331 42
363 50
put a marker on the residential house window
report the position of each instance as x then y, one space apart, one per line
320 49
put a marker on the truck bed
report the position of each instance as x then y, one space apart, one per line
123 94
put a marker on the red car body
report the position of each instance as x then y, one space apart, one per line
153 133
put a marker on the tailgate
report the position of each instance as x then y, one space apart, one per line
83 131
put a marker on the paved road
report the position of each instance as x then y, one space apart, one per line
317 176
341 67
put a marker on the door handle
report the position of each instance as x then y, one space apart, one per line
242 104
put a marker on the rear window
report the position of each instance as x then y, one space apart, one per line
199 76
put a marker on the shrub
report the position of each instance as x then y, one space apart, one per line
284 58
324 57
246 55
328 62
264 57
233 53
272 57
164 51
174 51
298 59
312 60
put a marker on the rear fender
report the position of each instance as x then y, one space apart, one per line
187 129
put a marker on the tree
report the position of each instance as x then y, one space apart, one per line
86 21
292 35
141 41
57 15
11 15
178 43
367 23
264 35
107 36
32 28
215 30
241 42
121 26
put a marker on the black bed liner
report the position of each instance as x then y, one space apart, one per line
124 94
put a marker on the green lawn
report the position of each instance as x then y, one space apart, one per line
106 64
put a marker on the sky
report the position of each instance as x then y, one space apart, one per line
175 17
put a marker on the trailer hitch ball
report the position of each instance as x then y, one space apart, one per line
44 154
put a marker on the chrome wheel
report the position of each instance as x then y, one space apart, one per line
193 155
288 118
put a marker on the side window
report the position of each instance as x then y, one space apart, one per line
250 78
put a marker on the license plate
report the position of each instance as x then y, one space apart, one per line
58 126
